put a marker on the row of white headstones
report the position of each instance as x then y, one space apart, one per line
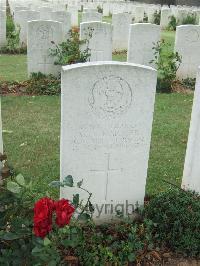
103 39
139 38
106 123
136 9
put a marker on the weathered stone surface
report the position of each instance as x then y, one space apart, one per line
191 174
187 44
43 35
121 23
142 38
65 18
2 27
91 16
107 112
21 18
99 36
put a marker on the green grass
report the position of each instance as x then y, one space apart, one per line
31 138
32 128
13 67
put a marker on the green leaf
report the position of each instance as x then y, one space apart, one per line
47 241
36 250
84 217
52 263
8 236
20 180
55 184
13 187
68 181
79 184
75 201
131 257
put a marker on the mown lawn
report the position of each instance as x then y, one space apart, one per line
31 137
13 67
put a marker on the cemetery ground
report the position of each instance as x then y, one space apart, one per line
29 150
169 138
31 130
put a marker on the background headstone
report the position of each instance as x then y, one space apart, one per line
121 23
99 36
191 174
139 14
65 18
21 18
2 27
166 15
142 38
45 13
91 16
74 15
107 112
41 34
150 13
187 44
181 15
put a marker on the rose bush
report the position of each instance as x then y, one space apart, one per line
43 211
64 211
43 215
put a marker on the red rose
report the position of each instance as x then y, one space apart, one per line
64 211
43 210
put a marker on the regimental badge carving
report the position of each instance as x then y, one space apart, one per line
110 96
44 34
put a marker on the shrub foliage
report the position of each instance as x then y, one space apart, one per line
70 52
171 220
167 63
176 215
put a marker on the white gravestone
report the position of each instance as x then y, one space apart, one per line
181 15
142 38
41 34
166 14
65 18
22 17
106 122
2 28
91 16
121 23
187 44
191 173
45 13
99 37
91 10
106 9
139 14
150 13
74 15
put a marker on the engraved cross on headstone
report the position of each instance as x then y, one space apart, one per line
107 171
